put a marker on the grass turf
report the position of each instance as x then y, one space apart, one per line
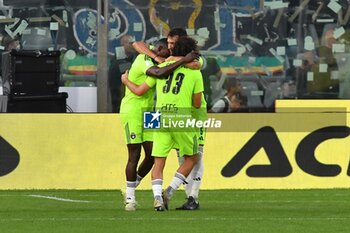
221 211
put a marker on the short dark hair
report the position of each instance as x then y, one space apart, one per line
177 32
162 42
184 45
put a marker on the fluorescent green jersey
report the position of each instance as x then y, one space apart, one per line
133 106
137 75
176 91
174 96
201 113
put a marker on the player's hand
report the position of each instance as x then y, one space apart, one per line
124 77
191 56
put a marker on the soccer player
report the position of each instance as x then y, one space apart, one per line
172 37
131 111
193 182
194 179
182 89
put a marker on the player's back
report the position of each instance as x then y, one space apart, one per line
179 88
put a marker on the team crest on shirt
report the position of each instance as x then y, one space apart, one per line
132 135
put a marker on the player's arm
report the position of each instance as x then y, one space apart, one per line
195 64
197 100
197 89
159 72
142 47
136 89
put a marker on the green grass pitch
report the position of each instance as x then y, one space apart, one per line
76 211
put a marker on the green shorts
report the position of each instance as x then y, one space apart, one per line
201 138
133 128
164 141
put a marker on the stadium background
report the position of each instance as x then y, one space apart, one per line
87 151
75 152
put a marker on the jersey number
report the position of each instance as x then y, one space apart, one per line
178 79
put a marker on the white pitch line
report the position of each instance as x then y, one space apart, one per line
58 198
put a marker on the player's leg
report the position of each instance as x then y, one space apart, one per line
146 164
183 171
134 151
157 182
133 135
180 177
188 183
188 146
197 174
189 177
198 169
192 185
194 179
161 147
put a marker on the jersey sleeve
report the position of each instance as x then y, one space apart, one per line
147 64
142 63
151 82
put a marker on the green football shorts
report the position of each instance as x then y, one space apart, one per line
201 133
164 141
133 128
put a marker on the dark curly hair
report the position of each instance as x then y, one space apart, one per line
184 45
177 32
